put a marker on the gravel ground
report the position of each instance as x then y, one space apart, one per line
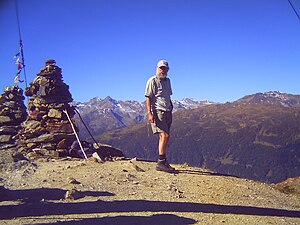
74 191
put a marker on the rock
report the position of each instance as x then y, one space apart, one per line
4 138
61 127
63 144
92 159
72 180
36 115
136 167
108 152
33 156
9 129
97 157
73 195
52 138
4 146
54 113
31 145
5 119
32 124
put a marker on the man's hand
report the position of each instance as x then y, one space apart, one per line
148 107
150 117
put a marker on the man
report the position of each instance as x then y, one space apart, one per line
159 109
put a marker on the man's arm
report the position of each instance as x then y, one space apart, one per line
148 107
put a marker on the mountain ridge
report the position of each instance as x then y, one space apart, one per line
108 114
271 97
259 140
102 115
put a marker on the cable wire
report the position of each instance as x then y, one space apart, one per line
294 9
21 43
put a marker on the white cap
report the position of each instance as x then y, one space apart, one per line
163 63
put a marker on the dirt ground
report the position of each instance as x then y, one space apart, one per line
75 191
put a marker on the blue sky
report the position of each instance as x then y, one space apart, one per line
218 50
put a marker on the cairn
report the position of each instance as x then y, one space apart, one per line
12 114
47 129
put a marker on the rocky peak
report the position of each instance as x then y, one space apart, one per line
271 97
188 103
108 114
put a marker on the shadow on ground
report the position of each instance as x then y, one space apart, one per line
198 172
157 219
39 194
33 207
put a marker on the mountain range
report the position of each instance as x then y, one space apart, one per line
102 115
256 137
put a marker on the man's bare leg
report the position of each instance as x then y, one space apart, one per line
163 143
162 164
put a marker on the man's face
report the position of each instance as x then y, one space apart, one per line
163 70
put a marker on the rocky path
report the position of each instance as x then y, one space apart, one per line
71 191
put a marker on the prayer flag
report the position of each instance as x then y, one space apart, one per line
19 67
17 78
17 55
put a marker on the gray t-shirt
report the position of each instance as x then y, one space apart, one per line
159 91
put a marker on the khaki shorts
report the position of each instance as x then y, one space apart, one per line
162 121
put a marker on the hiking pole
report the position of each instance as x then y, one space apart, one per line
66 112
86 127
101 157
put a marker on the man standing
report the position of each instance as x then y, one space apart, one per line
159 109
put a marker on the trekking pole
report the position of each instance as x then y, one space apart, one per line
86 127
66 112
102 158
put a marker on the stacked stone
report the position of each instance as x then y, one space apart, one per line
12 114
47 129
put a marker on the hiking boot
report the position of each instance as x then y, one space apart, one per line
164 166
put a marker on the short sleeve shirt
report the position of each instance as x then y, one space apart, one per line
159 91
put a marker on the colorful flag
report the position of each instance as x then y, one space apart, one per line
17 78
18 62
19 67
17 55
